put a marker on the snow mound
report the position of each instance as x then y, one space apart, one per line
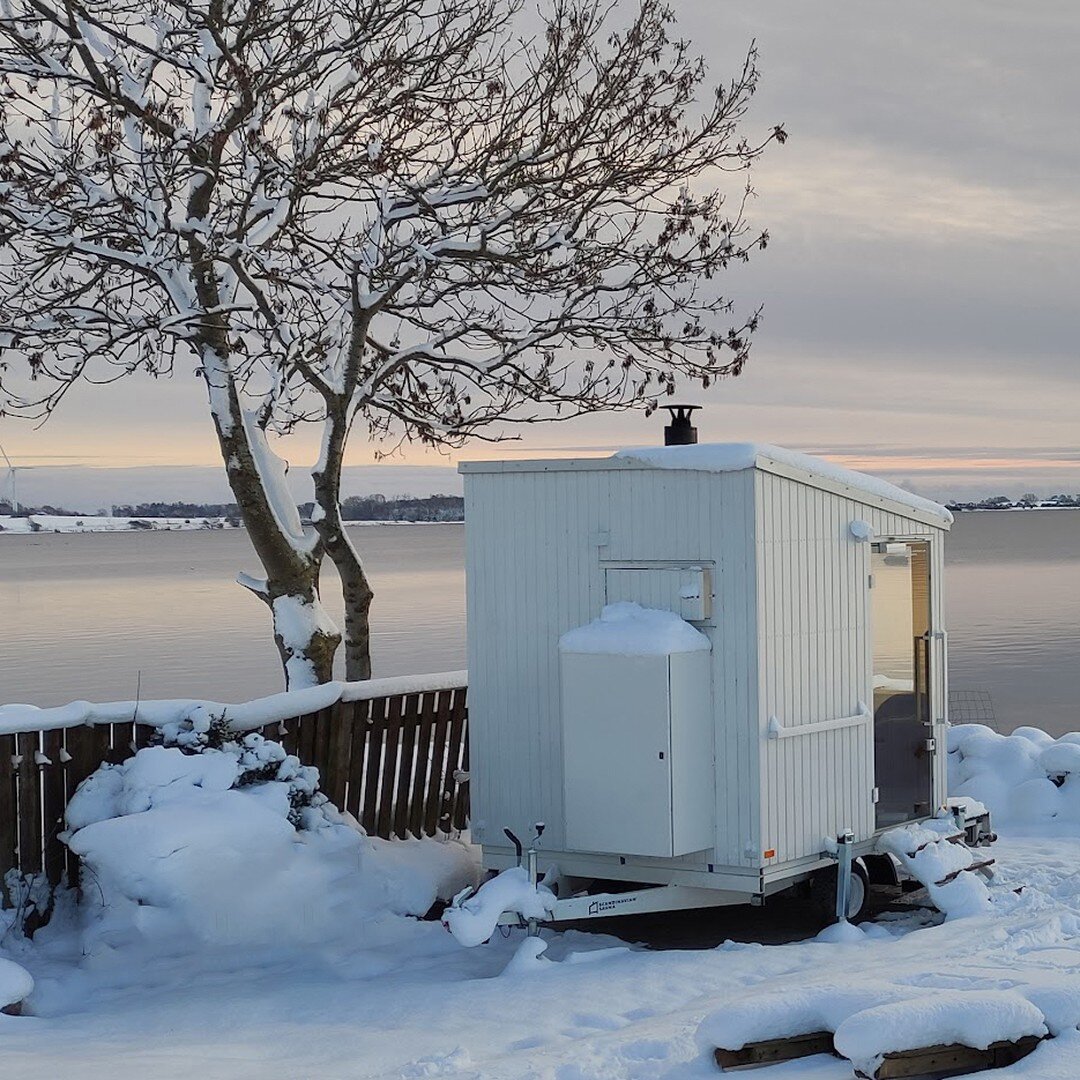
783 1014
16 983
628 629
734 457
472 919
975 1018
235 846
528 958
1027 778
926 853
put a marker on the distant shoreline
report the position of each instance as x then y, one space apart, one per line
88 523
1005 509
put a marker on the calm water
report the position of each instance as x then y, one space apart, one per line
82 616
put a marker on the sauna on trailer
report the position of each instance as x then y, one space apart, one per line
696 667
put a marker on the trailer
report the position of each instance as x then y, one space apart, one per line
708 673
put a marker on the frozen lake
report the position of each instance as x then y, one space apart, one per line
82 616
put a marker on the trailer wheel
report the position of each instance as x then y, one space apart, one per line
823 893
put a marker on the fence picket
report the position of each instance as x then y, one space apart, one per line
54 796
358 741
29 781
460 812
9 812
406 766
376 737
121 741
438 753
453 752
391 753
422 765
334 769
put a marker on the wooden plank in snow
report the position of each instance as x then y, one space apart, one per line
954 1060
771 1051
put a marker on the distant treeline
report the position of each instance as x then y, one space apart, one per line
26 511
354 508
380 508
178 510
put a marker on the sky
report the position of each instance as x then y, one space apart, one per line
920 287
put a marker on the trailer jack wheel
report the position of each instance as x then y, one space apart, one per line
823 893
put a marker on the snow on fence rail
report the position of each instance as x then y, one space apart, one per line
392 752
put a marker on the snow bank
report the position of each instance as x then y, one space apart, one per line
58 523
733 457
1026 778
234 846
974 1018
794 1010
247 716
628 629
472 919
15 983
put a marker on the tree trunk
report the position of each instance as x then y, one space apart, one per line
291 556
358 594
355 587
305 636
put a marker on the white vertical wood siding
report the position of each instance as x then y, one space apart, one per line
815 660
537 548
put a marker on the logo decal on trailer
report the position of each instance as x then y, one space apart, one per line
597 906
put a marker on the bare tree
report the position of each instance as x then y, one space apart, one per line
391 213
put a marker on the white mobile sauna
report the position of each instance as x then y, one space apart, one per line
795 690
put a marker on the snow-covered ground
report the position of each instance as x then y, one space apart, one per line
401 998
22 526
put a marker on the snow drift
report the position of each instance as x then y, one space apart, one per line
234 845
1027 778
16 983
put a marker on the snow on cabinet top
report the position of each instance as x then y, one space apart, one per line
628 629
728 457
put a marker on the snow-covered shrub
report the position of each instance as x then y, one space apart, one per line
226 839
1026 778
258 760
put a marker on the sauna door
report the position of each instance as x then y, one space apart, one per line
900 615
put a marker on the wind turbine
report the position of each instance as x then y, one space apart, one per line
11 482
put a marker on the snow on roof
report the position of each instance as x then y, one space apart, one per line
733 457
628 629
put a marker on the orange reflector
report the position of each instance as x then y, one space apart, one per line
770 854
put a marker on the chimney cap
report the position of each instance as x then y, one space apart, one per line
680 432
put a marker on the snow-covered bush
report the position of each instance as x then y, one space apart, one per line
258 760
227 839
1026 778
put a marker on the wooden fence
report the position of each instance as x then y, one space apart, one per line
397 763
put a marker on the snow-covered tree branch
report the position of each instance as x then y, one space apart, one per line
397 215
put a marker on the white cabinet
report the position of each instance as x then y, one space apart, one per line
638 753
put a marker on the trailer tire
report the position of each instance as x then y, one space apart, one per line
823 893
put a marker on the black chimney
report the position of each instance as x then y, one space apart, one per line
680 432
